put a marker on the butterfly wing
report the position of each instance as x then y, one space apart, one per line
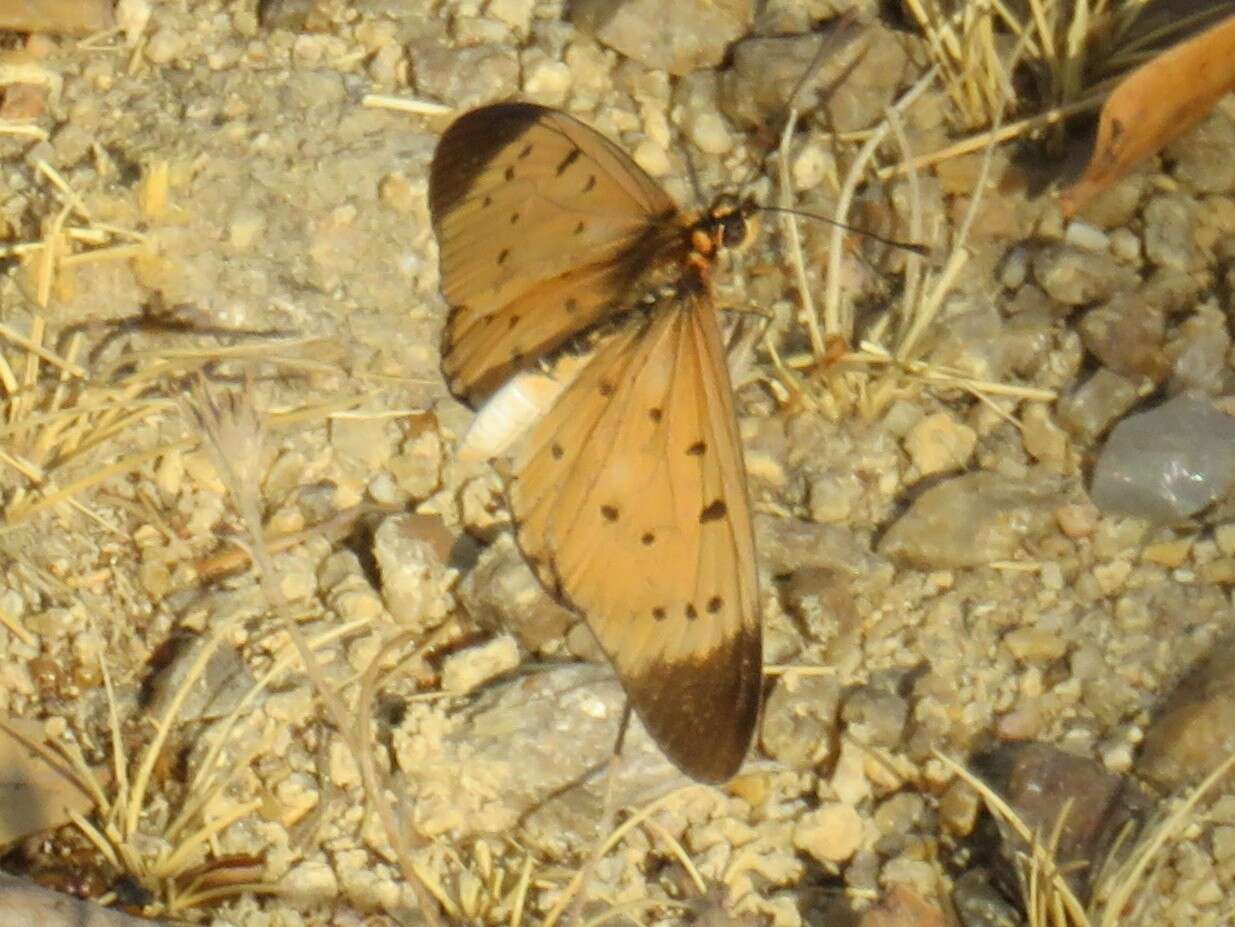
630 504
543 227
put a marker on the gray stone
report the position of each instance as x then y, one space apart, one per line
854 83
464 77
415 580
500 592
1075 277
969 521
1092 407
799 721
678 37
1126 335
1198 350
1167 464
881 714
1170 221
523 753
979 903
789 544
217 690
1203 155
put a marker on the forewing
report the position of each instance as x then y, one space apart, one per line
543 227
630 504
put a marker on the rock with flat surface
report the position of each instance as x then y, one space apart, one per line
678 37
969 521
1167 464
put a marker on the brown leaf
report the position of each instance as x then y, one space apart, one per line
1156 103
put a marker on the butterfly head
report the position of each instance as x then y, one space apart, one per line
728 226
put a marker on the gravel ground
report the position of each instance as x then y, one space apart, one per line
1015 552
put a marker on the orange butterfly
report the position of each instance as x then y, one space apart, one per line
628 495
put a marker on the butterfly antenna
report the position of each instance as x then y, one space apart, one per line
692 174
912 246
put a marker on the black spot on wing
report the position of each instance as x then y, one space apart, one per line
567 161
713 511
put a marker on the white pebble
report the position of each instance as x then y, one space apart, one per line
165 46
811 165
652 158
831 835
545 81
709 132
132 16
939 443
1086 236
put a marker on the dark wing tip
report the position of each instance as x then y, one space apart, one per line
469 144
703 714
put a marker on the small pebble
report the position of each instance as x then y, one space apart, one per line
517 14
1074 277
1035 645
832 834
679 38
959 807
1224 537
471 668
1078 519
709 132
799 720
903 906
309 884
1085 236
1195 728
1201 156
165 46
415 585
1171 554
652 158
1170 221
1015 268
1112 576
939 443
1090 409
1044 440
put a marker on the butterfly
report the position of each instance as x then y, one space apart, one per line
628 495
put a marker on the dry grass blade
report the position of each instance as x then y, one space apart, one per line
236 438
1117 889
1040 859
